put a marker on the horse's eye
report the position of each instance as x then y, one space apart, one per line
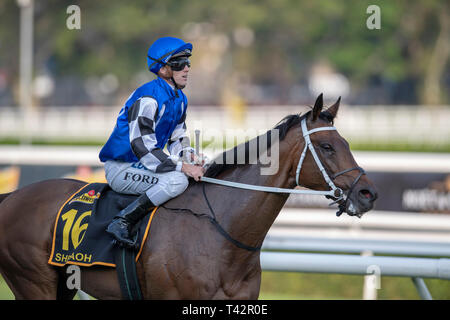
326 146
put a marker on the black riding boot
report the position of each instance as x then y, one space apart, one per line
122 225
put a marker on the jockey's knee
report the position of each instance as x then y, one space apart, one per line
177 184
169 186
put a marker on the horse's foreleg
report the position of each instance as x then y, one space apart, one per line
30 284
25 239
24 266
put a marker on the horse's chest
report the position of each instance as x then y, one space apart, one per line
239 290
212 283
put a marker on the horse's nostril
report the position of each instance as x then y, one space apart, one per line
367 194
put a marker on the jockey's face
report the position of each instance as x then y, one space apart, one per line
180 77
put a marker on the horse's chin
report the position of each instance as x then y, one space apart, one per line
356 210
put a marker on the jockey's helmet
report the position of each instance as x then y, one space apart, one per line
165 48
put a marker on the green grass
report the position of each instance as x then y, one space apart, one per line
5 292
354 145
400 147
309 286
290 285
54 142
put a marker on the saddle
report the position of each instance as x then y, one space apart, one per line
80 237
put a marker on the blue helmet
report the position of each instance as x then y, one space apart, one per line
163 49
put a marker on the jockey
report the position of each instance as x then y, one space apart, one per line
153 116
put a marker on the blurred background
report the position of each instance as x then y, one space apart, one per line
67 67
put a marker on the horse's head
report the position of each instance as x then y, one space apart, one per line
320 145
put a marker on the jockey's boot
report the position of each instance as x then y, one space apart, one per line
123 223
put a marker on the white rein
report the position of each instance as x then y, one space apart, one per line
335 192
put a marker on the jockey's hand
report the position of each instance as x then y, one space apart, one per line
193 171
198 159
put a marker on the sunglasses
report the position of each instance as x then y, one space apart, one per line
178 64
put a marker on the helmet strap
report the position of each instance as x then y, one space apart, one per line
171 76
175 84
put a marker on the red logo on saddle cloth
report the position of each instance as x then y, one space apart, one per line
88 197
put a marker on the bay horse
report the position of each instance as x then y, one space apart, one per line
185 257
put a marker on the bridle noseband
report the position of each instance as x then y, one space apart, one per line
339 196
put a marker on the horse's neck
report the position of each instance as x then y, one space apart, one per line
250 214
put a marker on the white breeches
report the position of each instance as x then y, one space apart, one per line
134 178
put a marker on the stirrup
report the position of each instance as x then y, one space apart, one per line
122 240
133 245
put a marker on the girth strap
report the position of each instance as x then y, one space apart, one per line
127 275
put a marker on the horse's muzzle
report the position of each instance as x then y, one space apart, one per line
361 200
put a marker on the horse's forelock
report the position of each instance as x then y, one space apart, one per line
327 116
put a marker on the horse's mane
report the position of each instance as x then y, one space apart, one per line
282 126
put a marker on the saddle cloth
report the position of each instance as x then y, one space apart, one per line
80 236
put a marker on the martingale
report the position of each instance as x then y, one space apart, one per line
79 235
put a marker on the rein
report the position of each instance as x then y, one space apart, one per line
223 231
335 193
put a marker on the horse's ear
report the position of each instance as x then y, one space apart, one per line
333 110
317 107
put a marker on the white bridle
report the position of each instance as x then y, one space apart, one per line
335 192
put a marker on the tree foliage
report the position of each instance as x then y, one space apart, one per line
287 37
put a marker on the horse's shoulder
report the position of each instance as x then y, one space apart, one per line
186 207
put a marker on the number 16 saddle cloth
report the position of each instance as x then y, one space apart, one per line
79 235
